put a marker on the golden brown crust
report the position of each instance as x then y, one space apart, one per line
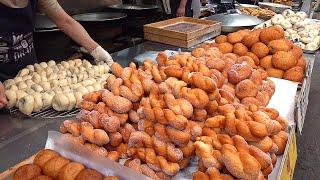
294 74
235 37
221 39
240 49
271 33
28 171
260 49
70 171
246 88
284 60
54 165
254 57
279 45
44 156
273 72
89 174
302 62
252 38
266 62
225 47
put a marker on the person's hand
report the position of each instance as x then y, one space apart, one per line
3 99
181 11
101 55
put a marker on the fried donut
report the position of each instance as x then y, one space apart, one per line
225 47
221 39
239 72
54 165
42 177
240 49
234 37
251 38
44 156
248 101
260 49
246 59
279 45
27 171
216 63
254 57
302 62
271 33
297 51
284 60
70 171
273 72
89 174
294 74
246 88
266 62
116 103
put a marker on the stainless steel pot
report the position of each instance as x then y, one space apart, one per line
235 22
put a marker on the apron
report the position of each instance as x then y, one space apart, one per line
16 39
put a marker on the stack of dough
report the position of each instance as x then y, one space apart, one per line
298 28
48 164
61 86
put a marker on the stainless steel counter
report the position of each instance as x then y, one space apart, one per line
21 137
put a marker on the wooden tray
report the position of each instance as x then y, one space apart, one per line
8 174
182 31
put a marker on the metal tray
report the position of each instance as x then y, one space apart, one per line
133 7
99 16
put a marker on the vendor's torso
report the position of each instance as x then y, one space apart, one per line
16 38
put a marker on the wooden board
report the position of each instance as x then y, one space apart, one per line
8 174
183 28
178 42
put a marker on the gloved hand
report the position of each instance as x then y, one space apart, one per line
3 99
100 55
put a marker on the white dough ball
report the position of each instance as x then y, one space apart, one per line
12 98
17 79
37 67
38 104
23 72
44 65
47 100
60 102
31 68
45 85
36 87
36 78
51 63
22 85
8 83
26 104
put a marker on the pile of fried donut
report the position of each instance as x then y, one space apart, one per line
205 103
265 49
49 165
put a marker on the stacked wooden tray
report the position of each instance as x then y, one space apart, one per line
182 32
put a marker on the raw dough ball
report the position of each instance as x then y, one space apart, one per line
65 89
8 83
303 33
306 40
63 82
29 82
78 62
51 63
74 79
26 77
90 88
90 72
78 96
302 15
60 102
37 67
38 104
72 101
36 87
26 104
82 89
31 68
285 24
65 64
44 79
85 75
54 83
49 71
36 78
45 85
23 72
291 31
13 87
288 13
86 82
96 70
57 90
276 19
75 86
52 76
68 72
60 67
12 98
29 91
80 77
42 73
22 85
17 79
97 86
43 65
72 63
86 64
312 46
294 19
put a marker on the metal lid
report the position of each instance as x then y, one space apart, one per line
99 16
133 7
236 20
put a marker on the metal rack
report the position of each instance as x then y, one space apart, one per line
49 113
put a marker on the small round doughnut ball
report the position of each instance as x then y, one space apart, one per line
27 171
44 156
246 59
302 62
251 38
244 32
273 72
42 177
254 57
249 101
225 47
240 49
234 38
294 74
89 174
297 51
239 72
266 62
271 33
221 39
260 49
284 60
279 45
246 88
